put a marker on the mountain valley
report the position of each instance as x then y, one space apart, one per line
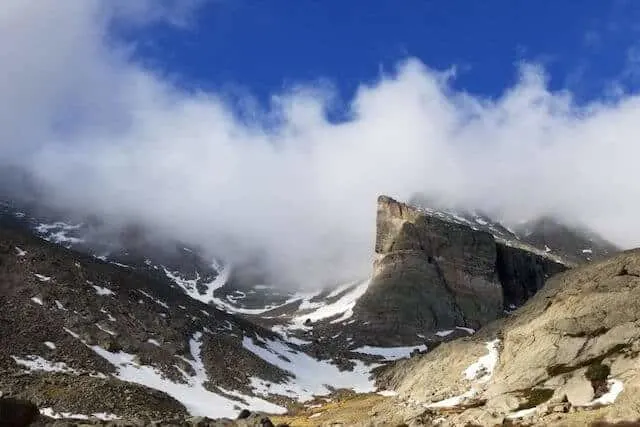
104 330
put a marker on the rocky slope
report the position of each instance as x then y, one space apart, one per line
163 324
569 356
79 333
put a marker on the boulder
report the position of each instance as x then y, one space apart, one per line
17 413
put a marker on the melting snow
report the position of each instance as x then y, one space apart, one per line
49 412
480 372
615 388
224 272
109 316
42 278
523 413
37 363
444 333
342 307
311 377
49 344
485 365
154 342
20 252
157 301
193 395
119 264
102 291
453 401
37 300
106 330
289 338
390 353
467 330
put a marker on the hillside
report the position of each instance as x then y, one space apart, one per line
89 319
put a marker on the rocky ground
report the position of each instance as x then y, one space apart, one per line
130 331
569 356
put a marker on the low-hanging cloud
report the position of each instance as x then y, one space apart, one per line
285 184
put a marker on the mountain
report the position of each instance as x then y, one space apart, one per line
569 356
435 274
91 314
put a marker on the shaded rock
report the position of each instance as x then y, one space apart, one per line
522 273
17 413
245 413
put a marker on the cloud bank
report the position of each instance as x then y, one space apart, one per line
287 186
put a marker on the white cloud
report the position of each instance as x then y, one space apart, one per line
111 136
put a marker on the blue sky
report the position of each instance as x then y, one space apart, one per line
263 46
200 163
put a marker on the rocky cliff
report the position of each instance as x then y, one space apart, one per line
432 273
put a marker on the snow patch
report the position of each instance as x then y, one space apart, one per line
310 377
49 344
342 307
445 333
42 277
109 316
37 300
523 413
20 252
103 329
157 301
49 412
193 395
480 372
103 291
224 272
36 363
615 388
390 353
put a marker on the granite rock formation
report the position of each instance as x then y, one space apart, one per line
432 273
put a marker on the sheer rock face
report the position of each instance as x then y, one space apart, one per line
436 274
522 273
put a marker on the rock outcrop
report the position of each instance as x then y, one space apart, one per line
569 356
432 273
